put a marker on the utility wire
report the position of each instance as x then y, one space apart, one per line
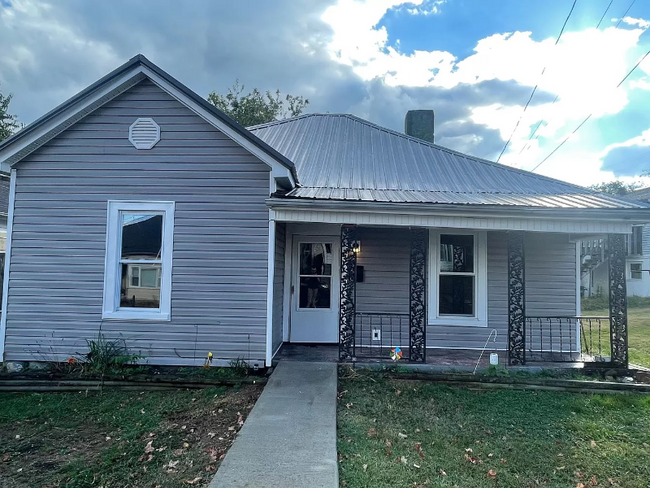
623 16
535 89
539 124
589 116
605 13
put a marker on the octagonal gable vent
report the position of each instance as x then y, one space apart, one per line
144 133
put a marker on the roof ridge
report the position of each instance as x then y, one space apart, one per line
281 121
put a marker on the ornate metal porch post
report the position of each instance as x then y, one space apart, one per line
418 294
617 300
348 292
516 300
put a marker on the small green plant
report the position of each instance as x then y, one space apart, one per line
106 355
239 367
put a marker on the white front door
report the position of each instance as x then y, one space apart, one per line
315 289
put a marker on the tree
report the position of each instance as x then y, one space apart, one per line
256 107
616 187
8 122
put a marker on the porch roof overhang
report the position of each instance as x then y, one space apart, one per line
488 217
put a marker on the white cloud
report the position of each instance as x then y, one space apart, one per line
431 8
644 24
583 70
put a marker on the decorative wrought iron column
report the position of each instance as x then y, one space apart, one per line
348 291
617 300
418 294
516 300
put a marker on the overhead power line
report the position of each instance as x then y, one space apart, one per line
539 124
589 116
604 13
535 89
623 16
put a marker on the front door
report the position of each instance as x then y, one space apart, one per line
315 290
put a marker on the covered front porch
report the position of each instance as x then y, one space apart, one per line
441 296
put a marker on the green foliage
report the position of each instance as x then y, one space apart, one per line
239 367
256 107
8 122
616 187
403 433
106 355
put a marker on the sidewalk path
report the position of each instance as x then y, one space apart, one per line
289 438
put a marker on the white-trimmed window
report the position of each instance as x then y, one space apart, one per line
458 278
137 278
636 271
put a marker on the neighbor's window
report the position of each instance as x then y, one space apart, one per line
458 283
635 241
138 260
636 273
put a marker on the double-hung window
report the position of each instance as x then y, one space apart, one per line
458 278
636 271
137 280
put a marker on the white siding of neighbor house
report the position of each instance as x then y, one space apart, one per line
278 283
219 276
550 283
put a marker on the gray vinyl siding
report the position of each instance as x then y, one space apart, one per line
278 283
550 275
550 282
219 272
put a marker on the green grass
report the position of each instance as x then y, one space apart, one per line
78 440
638 334
529 438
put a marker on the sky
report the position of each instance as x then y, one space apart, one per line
474 62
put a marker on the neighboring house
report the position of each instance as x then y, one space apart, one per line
140 211
637 260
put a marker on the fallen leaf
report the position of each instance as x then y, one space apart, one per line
443 473
593 443
372 432
417 447
492 474
399 392
211 435
108 438
149 447
365 468
349 405
593 481
17 436
491 455
186 445
503 460
194 481
6 457
403 436
416 466
469 449
403 460
581 485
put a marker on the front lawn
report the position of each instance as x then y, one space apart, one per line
120 438
638 334
416 434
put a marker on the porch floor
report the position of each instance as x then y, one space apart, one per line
447 358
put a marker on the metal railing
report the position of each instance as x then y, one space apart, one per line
376 334
567 339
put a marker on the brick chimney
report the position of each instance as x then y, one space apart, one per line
419 123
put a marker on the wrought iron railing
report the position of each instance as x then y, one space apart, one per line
567 339
376 334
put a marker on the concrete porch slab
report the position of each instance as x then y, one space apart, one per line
289 438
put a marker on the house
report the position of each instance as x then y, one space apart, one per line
637 259
139 211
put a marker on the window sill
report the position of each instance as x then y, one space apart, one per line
458 322
127 315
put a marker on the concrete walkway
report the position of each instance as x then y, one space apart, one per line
289 438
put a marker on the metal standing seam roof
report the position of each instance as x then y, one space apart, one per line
343 157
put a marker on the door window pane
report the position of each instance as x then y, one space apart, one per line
141 235
456 253
456 295
316 259
315 292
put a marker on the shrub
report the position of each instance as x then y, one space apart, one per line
107 354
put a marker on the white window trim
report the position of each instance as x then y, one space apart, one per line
111 309
480 318
629 270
